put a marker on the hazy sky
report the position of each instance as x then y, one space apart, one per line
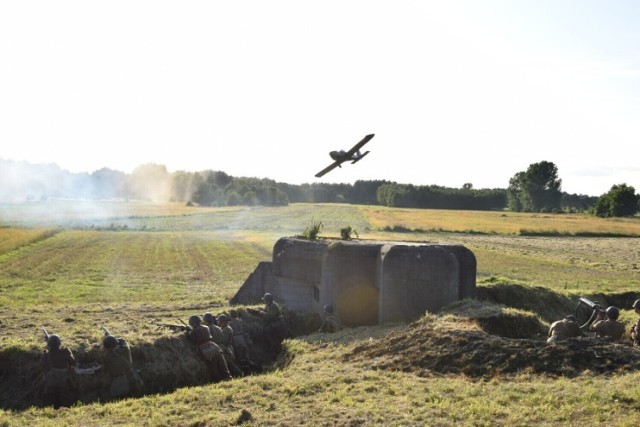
456 91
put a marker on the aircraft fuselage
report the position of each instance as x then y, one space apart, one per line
339 156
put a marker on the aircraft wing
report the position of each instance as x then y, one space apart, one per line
359 145
329 168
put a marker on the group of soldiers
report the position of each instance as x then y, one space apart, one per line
222 342
59 387
604 324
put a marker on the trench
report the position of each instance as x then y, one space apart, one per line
164 365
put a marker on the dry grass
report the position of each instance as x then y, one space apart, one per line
498 222
175 261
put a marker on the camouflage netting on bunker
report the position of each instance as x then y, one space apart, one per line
468 344
165 363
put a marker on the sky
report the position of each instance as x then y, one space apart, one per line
455 91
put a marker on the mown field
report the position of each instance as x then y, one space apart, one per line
73 267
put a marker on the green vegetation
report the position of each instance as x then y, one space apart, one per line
621 200
131 265
313 231
347 233
535 190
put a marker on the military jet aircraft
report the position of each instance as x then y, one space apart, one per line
354 155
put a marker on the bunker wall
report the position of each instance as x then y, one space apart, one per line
367 282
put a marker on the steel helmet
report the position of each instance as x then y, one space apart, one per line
223 318
636 303
612 312
54 341
233 313
209 318
267 297
195 321
110 342
328 308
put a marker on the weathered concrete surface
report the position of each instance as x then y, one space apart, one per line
367 282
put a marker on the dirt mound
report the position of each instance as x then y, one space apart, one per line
454 345
496 319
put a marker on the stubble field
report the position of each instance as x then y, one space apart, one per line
126 265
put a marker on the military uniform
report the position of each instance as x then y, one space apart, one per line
331 323
240 344
273 325
210 352
635 333
564 329
58 389
608 328
227 349
216 333
124 379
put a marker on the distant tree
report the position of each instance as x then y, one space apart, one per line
536 189
220 179
514 191
207 194
467 186
577 202
364 192
272 196
250 198
183 185
108 183
233 199
621 200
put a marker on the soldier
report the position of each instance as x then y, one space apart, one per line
124 380
240 343
273 322
331 322
211 322
209 351
563 329
57 362
635 329
609 326
227 345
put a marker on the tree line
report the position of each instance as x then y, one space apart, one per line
537 189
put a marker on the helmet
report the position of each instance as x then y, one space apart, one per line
195 321
636 303
110 342
267 297
54 341
223 318
612 312
233 313
209 318
328 308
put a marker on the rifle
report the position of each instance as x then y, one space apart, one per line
106 331
595 309
173 327
46 334
254 311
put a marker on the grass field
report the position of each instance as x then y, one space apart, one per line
74 266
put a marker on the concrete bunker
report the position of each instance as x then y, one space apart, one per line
368 282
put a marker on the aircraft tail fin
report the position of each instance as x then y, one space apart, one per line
360 157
